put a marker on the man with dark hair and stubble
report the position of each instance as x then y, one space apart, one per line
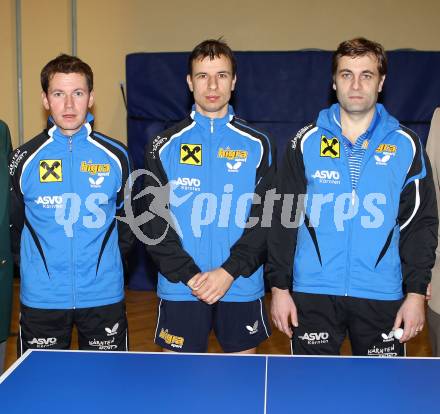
67 189
360 260
217 168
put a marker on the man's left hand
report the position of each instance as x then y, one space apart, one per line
215 284
412 315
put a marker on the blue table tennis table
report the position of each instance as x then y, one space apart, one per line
111 382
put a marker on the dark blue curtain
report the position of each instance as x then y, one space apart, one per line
278 91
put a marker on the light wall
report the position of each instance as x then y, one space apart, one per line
110 29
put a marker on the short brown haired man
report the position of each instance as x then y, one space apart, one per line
211 275
67 189
361 259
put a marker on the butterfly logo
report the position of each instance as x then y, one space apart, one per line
234 167
96 183
252 329
382 160
114 330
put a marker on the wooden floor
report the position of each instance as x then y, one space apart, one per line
141 311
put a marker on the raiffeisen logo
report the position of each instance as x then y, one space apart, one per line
50 201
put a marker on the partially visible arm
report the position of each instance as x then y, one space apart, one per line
5 151
164 244
282 239
433 151
16 209
125 195
7 141
418 220
290 182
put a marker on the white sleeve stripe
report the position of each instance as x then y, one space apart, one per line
307 135
416 206
178 134
158 320
406 135
245 134
262 318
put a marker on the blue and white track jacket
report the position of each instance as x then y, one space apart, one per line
66 192
213 167
376 241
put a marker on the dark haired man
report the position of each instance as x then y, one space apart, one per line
210 265
361 260
67 189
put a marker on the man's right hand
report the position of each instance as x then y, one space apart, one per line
196 281
211 286
283 311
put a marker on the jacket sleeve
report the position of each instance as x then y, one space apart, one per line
16 209
290 184
162 242
125 195
5 150
418 220
249 252
433 151
7 141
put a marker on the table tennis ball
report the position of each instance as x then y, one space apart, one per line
398 333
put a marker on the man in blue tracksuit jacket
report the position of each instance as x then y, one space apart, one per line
209 258
359 256
67 189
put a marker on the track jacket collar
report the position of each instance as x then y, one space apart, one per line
54 132
383 123
212 124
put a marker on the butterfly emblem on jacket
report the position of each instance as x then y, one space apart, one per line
96 183
234 167
382 160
